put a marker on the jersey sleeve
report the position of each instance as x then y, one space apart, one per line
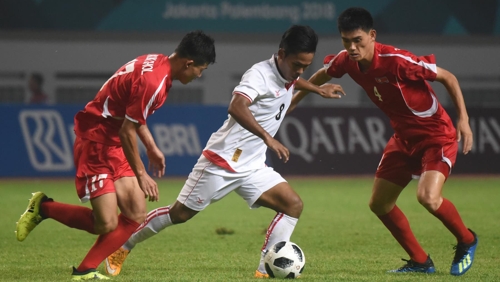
251 85
334 65
142 101
411 67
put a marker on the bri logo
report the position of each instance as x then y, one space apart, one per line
46 140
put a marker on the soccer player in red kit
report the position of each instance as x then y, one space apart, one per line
109 170
425 142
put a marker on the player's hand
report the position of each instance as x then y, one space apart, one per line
279 149
149 187
464 132
156 162
331 91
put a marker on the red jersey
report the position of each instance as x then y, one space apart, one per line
134 92
396 83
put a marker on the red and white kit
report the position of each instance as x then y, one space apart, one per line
424 138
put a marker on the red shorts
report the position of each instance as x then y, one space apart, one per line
401 162
97 167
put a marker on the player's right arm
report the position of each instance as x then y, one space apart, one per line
128 138
333 66
319 78
238 109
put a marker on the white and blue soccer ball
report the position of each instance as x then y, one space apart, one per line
284 259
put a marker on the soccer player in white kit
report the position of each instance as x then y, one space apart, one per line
234 157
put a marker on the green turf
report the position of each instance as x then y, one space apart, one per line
342 240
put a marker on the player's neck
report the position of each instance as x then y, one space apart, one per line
364 65
278 67
366 62
175 65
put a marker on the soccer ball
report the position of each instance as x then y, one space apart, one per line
284 260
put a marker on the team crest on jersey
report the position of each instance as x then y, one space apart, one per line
236 155
382 79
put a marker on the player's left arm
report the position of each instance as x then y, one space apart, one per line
327 90
128 137
155 155
463 128
312 85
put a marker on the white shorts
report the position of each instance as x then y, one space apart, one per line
205 185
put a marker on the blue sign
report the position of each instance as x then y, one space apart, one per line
39 139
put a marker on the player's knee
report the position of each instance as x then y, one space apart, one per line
428 201
139 217
374 207
180 217
105 227
379 208
299 205
179 213
294 206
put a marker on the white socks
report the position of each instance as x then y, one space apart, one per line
156 221
280 229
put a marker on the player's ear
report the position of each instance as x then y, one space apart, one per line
373 34
281 54
189 63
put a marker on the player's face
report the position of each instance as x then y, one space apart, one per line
192 72
359 44
293 65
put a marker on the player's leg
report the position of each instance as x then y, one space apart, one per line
436 167
41 207
383 204
197 193
157 220
393 174
115 229
288 205
107 192
267 188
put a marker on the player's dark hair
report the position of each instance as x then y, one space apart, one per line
355 18
299 39
198 47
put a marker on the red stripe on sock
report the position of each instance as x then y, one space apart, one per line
70 215
107 243
450 217
270 229
152 214
398 225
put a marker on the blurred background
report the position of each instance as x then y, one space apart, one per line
55 55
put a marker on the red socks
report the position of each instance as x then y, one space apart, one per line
106 244
70 215
448 214
399 226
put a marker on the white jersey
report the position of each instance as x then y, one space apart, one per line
237 149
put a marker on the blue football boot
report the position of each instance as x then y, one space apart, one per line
464 257
412 266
